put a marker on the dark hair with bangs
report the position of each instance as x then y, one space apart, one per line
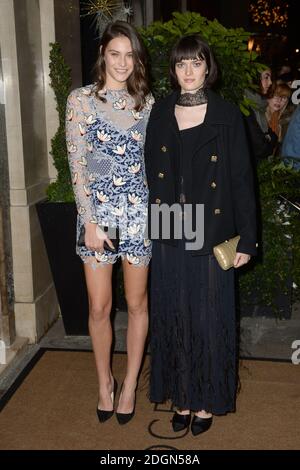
193 47
137 83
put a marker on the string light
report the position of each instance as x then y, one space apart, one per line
269 12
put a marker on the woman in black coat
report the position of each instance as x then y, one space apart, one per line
197 161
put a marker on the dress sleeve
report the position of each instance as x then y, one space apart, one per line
77 150
149 104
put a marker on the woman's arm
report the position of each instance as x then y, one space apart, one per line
147 148
242 185
76 145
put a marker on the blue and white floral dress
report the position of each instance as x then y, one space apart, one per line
105 141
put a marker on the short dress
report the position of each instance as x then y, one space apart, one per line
105 142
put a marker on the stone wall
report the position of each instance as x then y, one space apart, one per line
28 121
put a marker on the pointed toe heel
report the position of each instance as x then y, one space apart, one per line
104 415
180 422
124 418
200 425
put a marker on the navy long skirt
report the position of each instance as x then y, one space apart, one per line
192 331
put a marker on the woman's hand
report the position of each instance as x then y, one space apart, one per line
95 238
240 259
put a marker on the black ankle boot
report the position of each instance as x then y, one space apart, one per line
180 422
200 425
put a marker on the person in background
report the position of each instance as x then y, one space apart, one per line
286 79
283 69
262 139
279 111
290 151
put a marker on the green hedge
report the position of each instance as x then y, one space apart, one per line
278 263
238 67
60 75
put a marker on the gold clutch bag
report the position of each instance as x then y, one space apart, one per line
225 252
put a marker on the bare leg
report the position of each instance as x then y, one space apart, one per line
182 412
135 283
100 300
203 414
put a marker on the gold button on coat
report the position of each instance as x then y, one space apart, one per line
163 148
213 158
161 175
217 211
213 185
158 201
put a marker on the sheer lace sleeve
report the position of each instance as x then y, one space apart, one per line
76 145
149 104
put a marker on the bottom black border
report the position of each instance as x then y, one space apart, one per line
139 458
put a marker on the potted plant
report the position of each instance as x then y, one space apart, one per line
57 214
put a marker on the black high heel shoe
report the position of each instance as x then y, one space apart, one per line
180 422
124 418
104 415
200 425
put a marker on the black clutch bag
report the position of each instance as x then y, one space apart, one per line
112 232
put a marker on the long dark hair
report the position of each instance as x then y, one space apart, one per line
137 83
193 47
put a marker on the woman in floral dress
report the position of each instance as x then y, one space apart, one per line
105 131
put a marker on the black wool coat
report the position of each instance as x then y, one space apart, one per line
220 175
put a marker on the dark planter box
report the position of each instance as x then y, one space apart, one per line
58 224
